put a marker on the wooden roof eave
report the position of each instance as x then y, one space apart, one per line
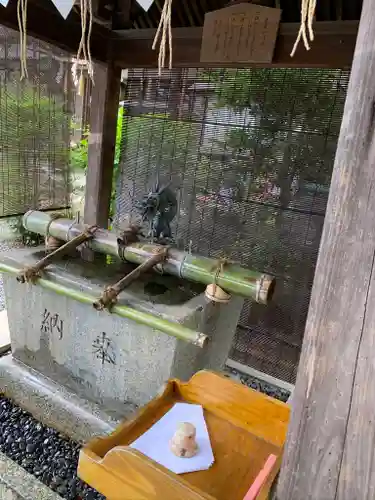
49 26
333 46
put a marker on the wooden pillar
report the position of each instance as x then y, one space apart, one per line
102 141
331 443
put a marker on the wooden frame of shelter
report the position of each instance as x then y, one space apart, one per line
329 452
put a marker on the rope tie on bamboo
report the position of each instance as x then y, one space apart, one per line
159 268
213 291
165 31
22 24
307 17
50 242
83 58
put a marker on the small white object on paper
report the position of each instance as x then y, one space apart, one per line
63 6
154 443
145 4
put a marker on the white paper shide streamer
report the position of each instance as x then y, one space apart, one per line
307 17
164 32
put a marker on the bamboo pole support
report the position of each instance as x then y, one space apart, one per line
30 274
232 278
110 294
173 329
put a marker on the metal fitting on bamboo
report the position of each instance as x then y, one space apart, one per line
232 278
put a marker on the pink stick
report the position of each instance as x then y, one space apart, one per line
261 478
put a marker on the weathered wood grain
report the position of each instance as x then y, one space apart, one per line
245 427
331 436
333 47
357 474
125 474
102 139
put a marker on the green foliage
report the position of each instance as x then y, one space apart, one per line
32 134
164 141
79 151
293 119
120 117
30 122
35 114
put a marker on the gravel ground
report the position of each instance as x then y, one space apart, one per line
53 459
48 455
259 385
43 452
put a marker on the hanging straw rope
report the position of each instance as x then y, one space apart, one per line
83 58
307 16
22 22
165 30
83 53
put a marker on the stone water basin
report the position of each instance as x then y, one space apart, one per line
106 359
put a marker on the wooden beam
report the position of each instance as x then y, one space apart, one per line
333 46
331 441
49 26
102 141
121 15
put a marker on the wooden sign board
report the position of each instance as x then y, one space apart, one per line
241 33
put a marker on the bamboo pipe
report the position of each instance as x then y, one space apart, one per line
230 277
174 329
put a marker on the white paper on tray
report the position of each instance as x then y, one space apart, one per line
154 443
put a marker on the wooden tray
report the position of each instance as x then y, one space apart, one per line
247 431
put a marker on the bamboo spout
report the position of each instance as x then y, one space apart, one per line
230 277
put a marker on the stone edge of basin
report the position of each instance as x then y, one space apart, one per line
17 484
4 332
58 274
52 404
158 321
